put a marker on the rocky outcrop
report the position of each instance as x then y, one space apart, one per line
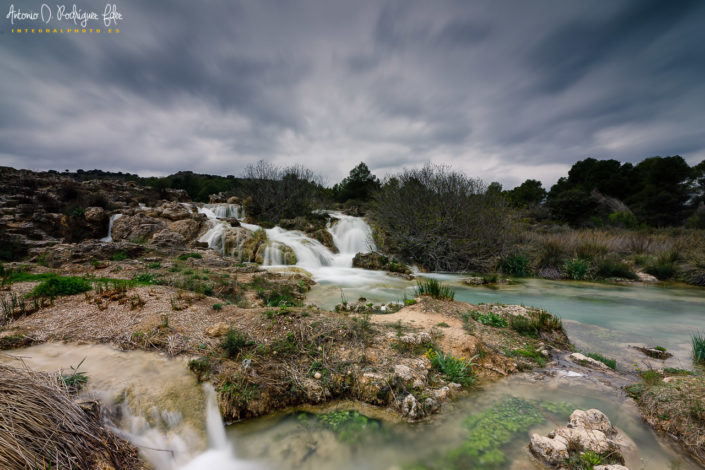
60 253
379 262
586 361
139 227
587 431
315 226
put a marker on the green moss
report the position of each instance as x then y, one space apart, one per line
348 426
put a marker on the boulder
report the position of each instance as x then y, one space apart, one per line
171 211
187 228
97 220
168 239
138 227
219 329
583 360
379 262
411 408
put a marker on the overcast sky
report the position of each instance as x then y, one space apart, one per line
503 90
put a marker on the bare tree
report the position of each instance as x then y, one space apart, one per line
442 219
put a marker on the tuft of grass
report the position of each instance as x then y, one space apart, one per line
529 352
185 256
453 369
611 363
154 265
698 347
120 256
535 323
489 318
577 269
217 307
611 266
516 265
61 285
434 289
234 342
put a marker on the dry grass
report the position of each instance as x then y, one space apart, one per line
677 407
42 427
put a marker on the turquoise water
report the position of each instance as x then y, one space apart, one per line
599 317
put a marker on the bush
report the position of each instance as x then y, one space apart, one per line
435 289
577 269
534 323
611 363
442 219
699 347
234 341
59 285
453 369
662 269
491 319
610 266
144 278
119 256
185 256
551 254
516 265
217 307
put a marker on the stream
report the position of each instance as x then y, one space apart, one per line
164 408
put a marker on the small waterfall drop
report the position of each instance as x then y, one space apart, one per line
225 211
109 237
309 253
215 236
351 235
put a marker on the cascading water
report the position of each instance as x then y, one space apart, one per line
225 211
109 237
351 235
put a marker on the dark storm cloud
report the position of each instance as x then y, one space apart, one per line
502 90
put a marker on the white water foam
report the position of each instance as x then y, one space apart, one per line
109 237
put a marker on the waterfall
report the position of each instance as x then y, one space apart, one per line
351 235
215 236
225 211
109 237
273 255
209 213
309 253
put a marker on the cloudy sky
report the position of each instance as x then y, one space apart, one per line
504 90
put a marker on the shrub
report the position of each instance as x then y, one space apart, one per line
610 266
699 347
185 256
577 269
144 278
154 265
662 269
234 341
119 256
534 323
516 265
611 363
217 307
435 289
59 285
551 254
453 369
489 318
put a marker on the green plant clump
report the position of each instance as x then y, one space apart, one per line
234 341
577 269
534 323
185 256
453 369
60 285
611 363
699 347
434 289
489 318
348 426
120 256
516 265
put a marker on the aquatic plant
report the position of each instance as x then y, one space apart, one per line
699 347
434 289
349 426
75 381
611 363
453 369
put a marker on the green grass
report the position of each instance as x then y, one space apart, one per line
217 307
516 265
577 269
611 363
120 256
699 347
529 352
435 289
154 265
535 323
60 285
453 369
489 318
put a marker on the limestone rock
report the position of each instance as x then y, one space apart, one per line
168 239
379 262
550 450
411 408
587 361
219 329
187 228
136 227
610 467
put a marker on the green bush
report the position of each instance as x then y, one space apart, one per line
610 266
217 307
516 265
60 285
234 341
611 363
577 269
119 256
154 265
662 269
534 323
699 347
551 254
435 289
489 318
144 278
453 369
185 256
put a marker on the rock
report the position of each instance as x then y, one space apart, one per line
442 393
474 281
379 262
317 376
550 450
588 430
645 277
168 239
410 408
219 329
610 467
587 361
187 228
431 406
98 220
403 372
138 227
654 352
172 211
